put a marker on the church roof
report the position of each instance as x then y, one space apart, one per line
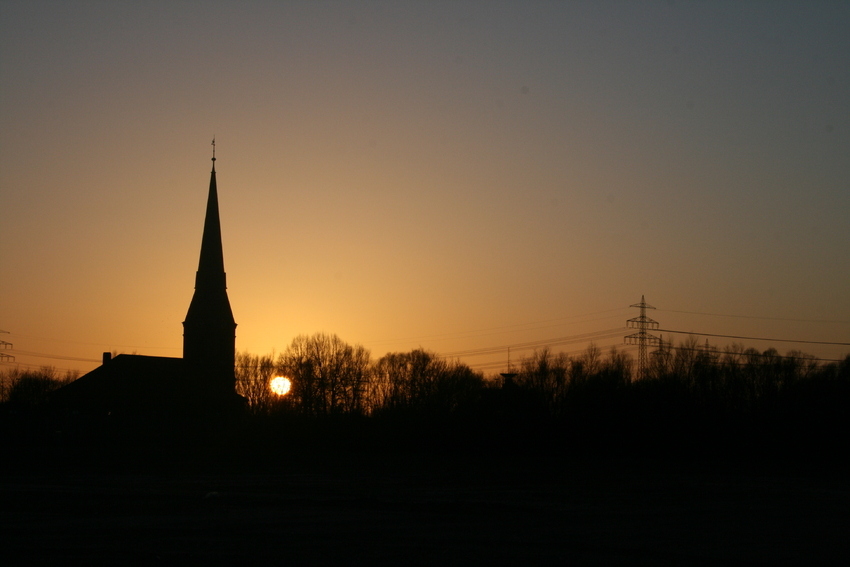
126 384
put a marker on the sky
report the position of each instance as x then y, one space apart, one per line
459 176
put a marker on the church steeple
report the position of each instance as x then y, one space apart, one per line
211 264
209 331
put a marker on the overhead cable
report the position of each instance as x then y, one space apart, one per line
753 338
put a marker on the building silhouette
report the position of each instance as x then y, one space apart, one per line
209 331
142 392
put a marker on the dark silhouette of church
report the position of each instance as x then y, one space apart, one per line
137 391
209 331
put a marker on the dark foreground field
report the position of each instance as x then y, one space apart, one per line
409 510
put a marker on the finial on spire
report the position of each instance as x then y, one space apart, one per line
213 145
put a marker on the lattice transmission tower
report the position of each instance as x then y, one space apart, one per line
642 338
3 345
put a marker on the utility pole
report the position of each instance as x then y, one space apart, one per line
642 338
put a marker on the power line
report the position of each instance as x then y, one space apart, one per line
642 323
502 329
754 317
727 354
753 338
39 366
56 356
572 353
608 333
723 355
101 344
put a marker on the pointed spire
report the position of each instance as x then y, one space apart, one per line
211 263
209 331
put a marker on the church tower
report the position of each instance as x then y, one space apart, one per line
209 331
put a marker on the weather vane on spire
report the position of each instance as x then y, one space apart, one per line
213 145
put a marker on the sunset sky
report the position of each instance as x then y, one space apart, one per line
451 175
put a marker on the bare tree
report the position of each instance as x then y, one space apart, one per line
253 378
421 381
31 387
328 375
548 375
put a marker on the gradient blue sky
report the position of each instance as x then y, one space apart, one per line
451 175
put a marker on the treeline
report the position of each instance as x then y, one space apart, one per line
692 399
29 388
695 400
332 378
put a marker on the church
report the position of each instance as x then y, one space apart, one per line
137 391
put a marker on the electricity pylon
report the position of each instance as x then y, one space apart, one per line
642 338
3 356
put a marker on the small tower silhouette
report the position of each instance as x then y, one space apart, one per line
509 376
209 331
642 338
3 356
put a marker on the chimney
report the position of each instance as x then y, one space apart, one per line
107 356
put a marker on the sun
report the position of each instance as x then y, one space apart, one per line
280 385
